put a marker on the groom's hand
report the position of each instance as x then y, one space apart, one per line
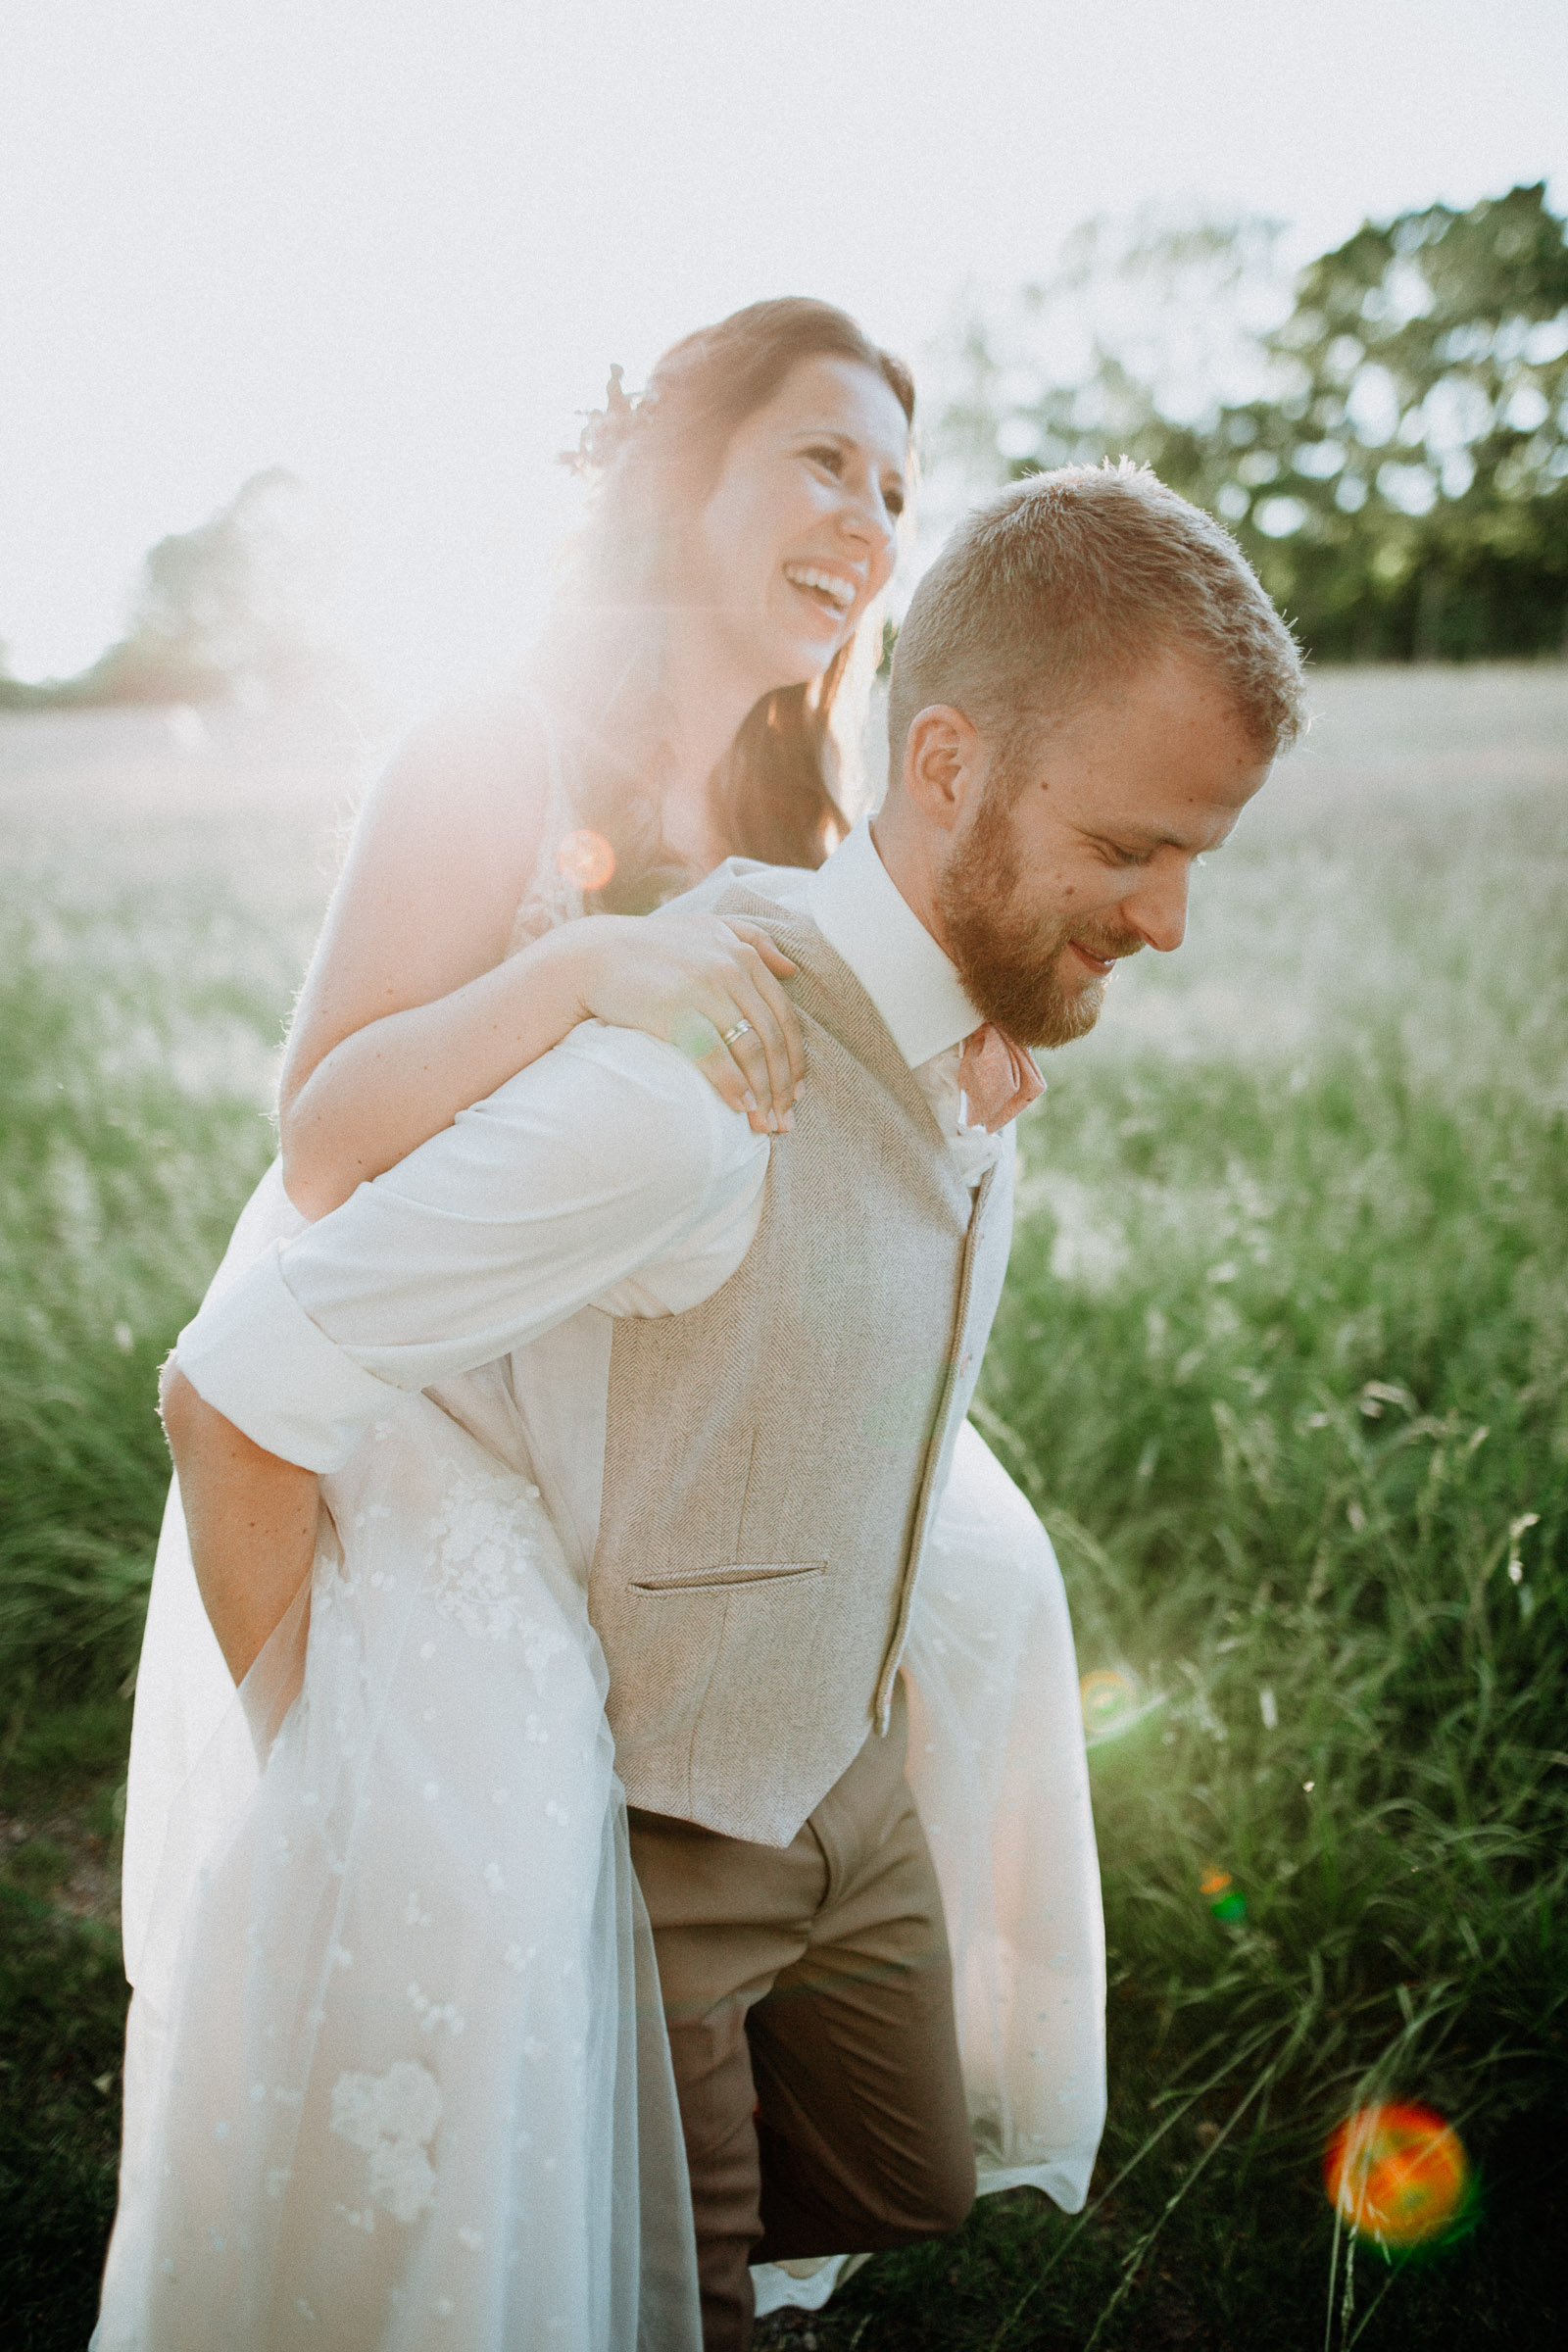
252 1519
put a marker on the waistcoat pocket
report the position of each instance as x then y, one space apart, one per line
728 1579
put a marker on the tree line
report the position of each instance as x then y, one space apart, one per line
1391 451
229 612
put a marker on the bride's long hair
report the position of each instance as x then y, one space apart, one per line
779 793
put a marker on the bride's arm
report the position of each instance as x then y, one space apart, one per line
412 1010
252 1519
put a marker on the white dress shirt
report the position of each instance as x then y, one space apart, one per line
607 1178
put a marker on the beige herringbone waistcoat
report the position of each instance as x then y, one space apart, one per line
773 1455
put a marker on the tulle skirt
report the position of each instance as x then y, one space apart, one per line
396 2070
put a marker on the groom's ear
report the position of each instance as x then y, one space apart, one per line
941 759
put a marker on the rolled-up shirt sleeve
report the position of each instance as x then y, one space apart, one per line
608 1172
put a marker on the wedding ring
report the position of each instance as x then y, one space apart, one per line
727 1037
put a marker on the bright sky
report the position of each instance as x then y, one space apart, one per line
394 244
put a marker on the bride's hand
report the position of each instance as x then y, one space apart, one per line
693 979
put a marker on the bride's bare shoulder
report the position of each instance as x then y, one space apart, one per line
443 850
475 776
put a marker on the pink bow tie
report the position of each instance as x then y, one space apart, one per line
999 1078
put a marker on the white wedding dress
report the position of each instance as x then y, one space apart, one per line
396 2072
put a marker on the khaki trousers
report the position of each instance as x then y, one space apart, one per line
808 1994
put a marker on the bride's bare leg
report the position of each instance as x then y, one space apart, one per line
253 1521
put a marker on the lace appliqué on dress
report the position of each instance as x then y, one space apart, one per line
486 1562
392 2117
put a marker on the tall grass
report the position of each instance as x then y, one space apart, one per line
1329 1545
152 924
1282 1362
112 1189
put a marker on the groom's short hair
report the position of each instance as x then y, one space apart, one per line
1059 588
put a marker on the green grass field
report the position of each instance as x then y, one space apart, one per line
1284 1362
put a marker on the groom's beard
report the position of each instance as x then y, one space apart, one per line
1017 969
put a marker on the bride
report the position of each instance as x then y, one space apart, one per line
360 2111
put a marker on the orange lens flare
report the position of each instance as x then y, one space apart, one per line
1225 1900
586 859
1397 2175
1108 1699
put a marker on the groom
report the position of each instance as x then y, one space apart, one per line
742 1368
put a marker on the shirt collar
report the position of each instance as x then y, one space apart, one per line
866 919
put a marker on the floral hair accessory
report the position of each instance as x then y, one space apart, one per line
606 430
